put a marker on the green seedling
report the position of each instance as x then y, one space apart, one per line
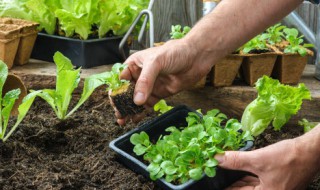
307 125
258 43
7 102
188 153
67 81
162 107
275 34
177 32
296 44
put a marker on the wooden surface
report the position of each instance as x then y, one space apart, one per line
230 100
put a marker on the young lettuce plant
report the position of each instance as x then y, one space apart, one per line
307 125
275 104
177 32
67 81
188 153
296 44
7 102
275 34
256 44
162 107
121 92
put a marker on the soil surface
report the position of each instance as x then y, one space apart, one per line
45 153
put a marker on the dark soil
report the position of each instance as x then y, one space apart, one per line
47 154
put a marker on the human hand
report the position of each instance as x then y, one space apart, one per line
285 165
162 71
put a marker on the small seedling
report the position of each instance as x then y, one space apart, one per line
7 102
307 125
257 44
177 32
275 34
162 107
121 92
296 44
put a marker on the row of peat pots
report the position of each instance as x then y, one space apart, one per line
17 38
287 68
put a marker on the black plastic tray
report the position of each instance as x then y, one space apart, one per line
155 128
84 53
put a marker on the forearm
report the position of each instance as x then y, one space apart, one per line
309 145
234 22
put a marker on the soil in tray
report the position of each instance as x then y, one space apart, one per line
74 155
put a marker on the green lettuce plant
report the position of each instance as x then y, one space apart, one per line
275 34
77 18
162 107
275 104
7 102
67 81
258 43
296 44
307 125
177 32
188 153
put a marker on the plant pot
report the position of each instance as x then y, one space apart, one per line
289 67
155 128
255 66
9 42
82 53
28 37
224 72
14 82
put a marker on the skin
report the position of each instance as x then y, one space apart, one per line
162 71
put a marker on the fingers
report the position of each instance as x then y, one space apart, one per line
145 83
235 160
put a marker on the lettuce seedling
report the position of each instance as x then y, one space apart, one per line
162 107
296 44
188 153
7 102
275 103
177 32
275 34
67 81
307 125
121 92
258 43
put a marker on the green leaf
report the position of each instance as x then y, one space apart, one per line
211 163
139 149
210 172
141 138
161 107
196 173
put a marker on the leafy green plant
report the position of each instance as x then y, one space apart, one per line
79 17
177 32
7 102
275 103
112 79
67 81
162 107
258 43
307 125
296 44
275 34
188 153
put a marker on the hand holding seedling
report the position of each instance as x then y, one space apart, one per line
289 164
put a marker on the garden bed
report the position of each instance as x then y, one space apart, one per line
46 154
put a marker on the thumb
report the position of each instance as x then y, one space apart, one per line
145 82
235 160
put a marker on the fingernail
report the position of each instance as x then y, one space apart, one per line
219 158
139 98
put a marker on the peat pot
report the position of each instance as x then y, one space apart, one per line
82 53
155 128
224 72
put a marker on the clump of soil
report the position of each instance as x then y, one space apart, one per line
45 153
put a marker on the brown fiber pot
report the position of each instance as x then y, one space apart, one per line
14 82
9 43
28 37
289 67
224 72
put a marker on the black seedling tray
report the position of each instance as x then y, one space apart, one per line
155 128
84 53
